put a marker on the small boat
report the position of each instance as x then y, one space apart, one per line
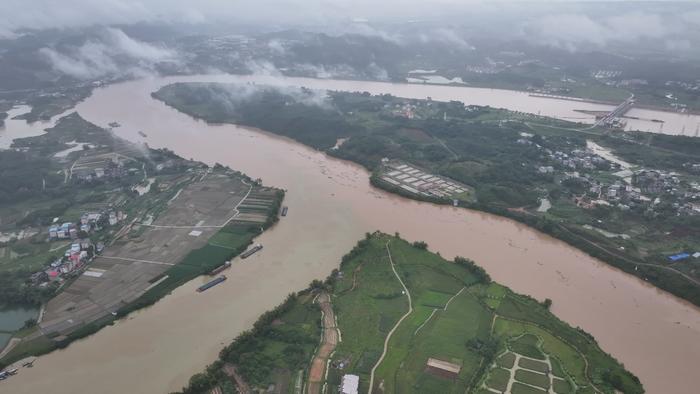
251 251
220 268
284 210
142 134
211 284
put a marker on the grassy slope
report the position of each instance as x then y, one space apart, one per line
365 316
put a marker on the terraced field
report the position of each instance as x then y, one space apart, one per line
463 333
255 208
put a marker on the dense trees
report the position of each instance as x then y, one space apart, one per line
24 175
476 270
14 290
420 245
300 115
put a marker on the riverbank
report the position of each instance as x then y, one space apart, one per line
192 219
678 284
380 128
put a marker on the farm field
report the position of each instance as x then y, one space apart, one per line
191 229
459 321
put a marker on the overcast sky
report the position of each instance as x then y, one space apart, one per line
561 23
15 14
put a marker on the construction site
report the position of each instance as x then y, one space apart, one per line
414 180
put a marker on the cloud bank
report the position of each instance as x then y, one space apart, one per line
572 30
108 55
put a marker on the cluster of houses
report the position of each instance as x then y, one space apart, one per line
89 222
80 253
606 74
655 182
693 86
618 193
577 159
66 230
641 187
405 110
109 169
647 188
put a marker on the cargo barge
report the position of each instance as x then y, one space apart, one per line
251 251
211 283
220 268
284 211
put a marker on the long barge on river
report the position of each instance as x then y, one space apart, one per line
211 284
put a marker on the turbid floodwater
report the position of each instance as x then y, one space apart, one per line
331 206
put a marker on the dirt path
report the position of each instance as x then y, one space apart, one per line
388 337
10 345
331 337
354 280
437 309
241 385
586 366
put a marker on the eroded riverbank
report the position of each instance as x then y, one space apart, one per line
332 205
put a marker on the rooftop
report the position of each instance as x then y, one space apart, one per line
444 365
350 384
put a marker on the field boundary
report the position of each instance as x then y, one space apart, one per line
583 356
388 337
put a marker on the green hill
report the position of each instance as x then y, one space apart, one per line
459 333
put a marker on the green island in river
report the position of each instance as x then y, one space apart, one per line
409 321
630 199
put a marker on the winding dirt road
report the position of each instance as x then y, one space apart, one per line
398 323
331 337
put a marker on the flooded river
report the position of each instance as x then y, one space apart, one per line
331 206
640 119
17 128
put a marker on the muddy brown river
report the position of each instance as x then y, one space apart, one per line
331 205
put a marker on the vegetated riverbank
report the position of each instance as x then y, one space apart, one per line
459 315
512 160
171 175
236 238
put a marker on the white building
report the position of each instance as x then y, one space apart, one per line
350 384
